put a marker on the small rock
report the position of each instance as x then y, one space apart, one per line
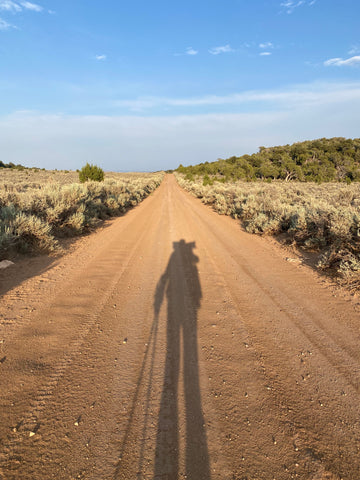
293 260
18 426
125 340
78 421
5 264
34 430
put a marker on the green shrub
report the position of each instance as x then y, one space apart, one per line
207 180
91 172
323 160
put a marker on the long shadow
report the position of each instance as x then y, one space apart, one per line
23 269
181 285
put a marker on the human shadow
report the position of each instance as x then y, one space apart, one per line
181 285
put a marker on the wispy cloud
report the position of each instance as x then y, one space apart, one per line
221 49
340 62
16 7
354 50
101 57
191 51
266 45
32 6
10 6
4 25
311 94
65 141
290 5
265 54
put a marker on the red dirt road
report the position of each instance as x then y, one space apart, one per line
172 345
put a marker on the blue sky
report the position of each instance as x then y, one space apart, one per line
148 85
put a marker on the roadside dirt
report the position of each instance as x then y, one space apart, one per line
173 345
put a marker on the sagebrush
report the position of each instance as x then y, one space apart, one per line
37 208
323 218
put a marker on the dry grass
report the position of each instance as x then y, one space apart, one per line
323 218
38 207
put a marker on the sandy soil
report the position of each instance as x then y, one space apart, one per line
172 345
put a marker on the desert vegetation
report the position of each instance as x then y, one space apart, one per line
39 207
321 218
91 172
323 160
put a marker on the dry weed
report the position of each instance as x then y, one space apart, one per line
36 206
323 218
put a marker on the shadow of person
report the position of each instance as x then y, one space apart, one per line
181 285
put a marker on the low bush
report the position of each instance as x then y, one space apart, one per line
33 216
91 173
323 218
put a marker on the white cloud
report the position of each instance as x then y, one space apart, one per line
266 45
10 6
32 6
152 143
145 142
309 94
4 25
221 49
340 62
265 54
290 5
16 7
100 57
191 51
354 50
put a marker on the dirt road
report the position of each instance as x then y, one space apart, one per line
172 345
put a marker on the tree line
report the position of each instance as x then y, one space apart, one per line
323 160
12 165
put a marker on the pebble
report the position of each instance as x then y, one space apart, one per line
77 421
5 264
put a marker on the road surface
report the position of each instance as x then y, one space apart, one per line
171 345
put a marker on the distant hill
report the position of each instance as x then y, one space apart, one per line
323 160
